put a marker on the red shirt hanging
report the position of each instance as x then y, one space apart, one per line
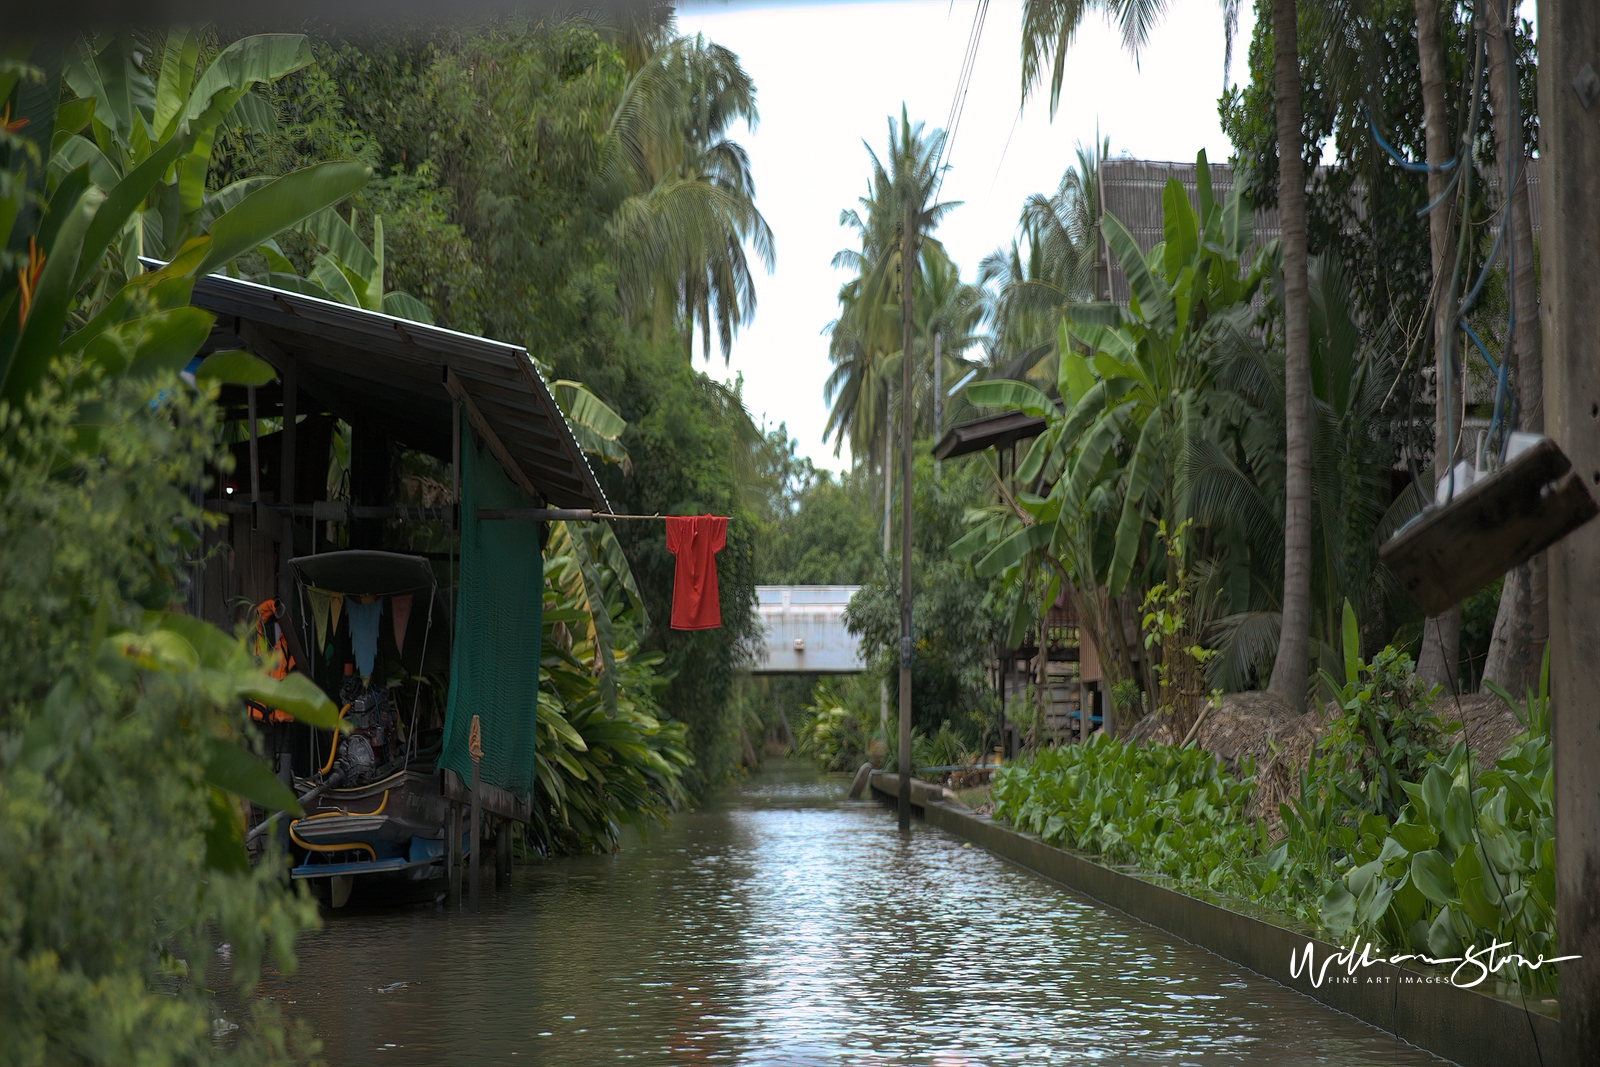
695 539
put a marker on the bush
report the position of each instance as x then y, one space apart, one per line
120 870
1164 809
840 722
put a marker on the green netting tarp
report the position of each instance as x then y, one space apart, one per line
494 664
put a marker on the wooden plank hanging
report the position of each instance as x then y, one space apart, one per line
1450 552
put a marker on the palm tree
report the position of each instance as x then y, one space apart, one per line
1292 668
690 207
1048 27
866 338
1027 297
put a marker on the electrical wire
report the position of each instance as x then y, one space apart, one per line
958 102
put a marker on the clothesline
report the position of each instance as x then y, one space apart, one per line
567 515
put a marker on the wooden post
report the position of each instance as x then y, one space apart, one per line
255 465
1569 201
286 480
475 748
452 854
908 266
502 854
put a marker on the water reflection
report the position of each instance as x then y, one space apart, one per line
787 925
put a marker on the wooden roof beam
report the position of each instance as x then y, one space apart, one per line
454 387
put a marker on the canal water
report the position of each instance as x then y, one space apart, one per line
785 924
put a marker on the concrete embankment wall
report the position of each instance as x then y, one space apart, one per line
1470 1027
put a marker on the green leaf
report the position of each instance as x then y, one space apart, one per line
1442 939
24 366
405 306
1180 231
155 344
215 649
225 840
1430 873
223 200
178 57
327 273
1458 817
1131 525
372 297
1013 549
1074 378
262 58
295 695
331 231
1413 837
232 768
1154 305
1014 395
78 151
1352 643
1338 909
122 202
235 367
279 205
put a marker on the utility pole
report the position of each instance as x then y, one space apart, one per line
938 399
908 259
1569 142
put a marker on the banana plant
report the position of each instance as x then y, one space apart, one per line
100 199
121 119
1132 383
144 327
348 272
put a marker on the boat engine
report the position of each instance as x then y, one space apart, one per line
365 752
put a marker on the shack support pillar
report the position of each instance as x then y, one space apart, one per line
502 854
1569 142
452 854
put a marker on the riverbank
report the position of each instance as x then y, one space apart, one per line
1415 1004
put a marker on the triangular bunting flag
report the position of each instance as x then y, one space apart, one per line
319 613
335 604
400 613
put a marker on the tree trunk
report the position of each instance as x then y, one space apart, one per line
1292 666
1441 636
1522 626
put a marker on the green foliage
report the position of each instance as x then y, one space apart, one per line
1386 732
839 723
121 860
1469 861
599 768
1167 810
955 624
1455 860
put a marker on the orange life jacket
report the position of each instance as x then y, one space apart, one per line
271 638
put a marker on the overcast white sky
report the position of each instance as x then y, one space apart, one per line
829 74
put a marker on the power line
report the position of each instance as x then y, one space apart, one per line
958 103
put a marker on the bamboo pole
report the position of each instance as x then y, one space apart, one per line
908 260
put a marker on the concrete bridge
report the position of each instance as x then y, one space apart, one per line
805 631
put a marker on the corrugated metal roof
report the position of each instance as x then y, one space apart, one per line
367 366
